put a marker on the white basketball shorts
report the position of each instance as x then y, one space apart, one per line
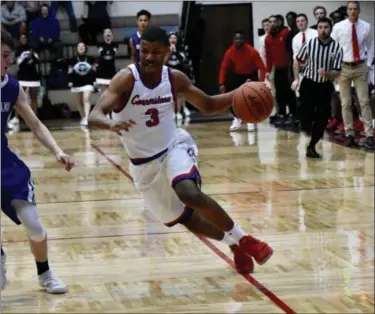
155 180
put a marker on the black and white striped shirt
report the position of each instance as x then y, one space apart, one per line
317 55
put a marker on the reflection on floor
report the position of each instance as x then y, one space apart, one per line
113 254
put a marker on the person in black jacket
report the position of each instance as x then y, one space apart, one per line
177 60
28 76
82 76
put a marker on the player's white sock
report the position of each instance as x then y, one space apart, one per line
236 233
228 240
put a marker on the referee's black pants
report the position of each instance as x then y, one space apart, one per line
236 80
315 108
285 97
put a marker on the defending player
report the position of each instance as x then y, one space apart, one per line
17 189
163 157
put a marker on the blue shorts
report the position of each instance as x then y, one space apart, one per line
25 193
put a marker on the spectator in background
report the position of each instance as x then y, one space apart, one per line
280 21
28 76
106 67
143 20
28 70
278 57
355 37
32 10
177 60
291 18
304 34
95 20
262 48
336 17
245 62
13 18
68 7
46 32
82 76
319 12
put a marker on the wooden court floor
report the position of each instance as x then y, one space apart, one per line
114 256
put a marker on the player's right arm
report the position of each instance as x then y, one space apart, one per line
114 96
40 130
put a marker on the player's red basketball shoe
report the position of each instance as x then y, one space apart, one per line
244 263
255 248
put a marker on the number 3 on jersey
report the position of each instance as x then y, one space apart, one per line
154 117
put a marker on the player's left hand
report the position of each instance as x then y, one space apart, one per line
65 160
322 72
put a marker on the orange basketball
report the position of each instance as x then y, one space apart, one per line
253 102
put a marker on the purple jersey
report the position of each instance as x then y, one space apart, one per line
15 175
136 39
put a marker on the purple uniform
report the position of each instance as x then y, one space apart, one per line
136 39
15 175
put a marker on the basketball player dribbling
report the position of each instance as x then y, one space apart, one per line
162 157
17 189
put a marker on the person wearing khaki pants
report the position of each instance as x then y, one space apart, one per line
359 75
354 36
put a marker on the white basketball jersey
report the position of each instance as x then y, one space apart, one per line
153 112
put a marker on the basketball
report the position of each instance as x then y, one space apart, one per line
253 102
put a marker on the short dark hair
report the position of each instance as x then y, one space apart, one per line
6 39
353 2
337 12
144 12
321 8
325 20
280 18
156 34
238 32
44 5
302 15
266 20
294 14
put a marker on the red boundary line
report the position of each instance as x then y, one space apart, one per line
276 300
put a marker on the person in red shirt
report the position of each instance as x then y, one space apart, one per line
245 62
277 56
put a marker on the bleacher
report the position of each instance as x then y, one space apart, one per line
122 29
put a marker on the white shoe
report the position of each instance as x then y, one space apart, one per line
251 127
186 112
187 121
179 116
237 138
84 122
3 278
14 121
236 124
51 283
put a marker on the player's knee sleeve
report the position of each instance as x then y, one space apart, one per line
27 213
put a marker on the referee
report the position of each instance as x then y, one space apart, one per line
322 58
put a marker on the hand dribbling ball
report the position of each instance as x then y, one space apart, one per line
253 102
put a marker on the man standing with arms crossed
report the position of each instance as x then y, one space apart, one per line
354 36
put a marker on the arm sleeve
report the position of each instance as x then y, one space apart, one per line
337 63
225 64
260 65
269 59
370 47
303 53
